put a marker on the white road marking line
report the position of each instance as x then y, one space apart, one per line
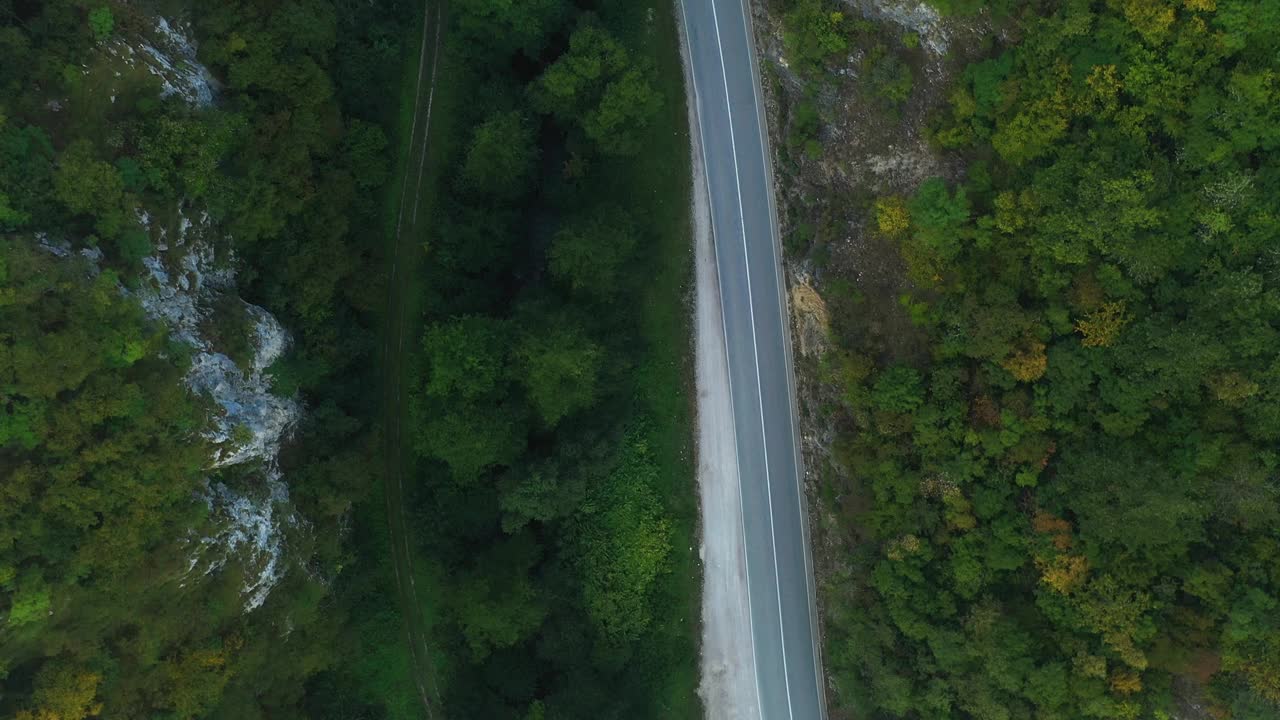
742 513
733 144
426 133
786 329
413 127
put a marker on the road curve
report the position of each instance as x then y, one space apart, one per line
405 251
748 263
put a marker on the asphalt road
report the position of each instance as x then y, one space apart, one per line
405 254
748 261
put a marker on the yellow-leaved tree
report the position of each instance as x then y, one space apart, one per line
64 692
1101 327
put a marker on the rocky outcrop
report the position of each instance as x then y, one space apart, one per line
189 285
170 55
184 285
912 16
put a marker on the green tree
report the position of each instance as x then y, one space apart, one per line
466 358
11 218
308 25
466 414
588 252
1251 641
89 186
132 246
1133 505
182 155
898 389
101 22
814 30
626 545
30 603
365 146
471 439
889 77
508 26
598 86
625 109
501 157
938 217
559 366
497 603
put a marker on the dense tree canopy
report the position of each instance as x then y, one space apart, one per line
502 27
588 253
597 86
548 493
103 456
1068 504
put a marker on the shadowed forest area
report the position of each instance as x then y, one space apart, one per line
554 494
556 499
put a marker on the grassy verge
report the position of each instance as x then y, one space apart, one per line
664 383
382 666
441 92
385 665
399 132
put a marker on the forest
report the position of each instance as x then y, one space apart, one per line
1056 490
555 509
551 497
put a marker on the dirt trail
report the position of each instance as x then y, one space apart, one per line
400 324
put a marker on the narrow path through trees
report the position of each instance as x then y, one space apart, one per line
405 253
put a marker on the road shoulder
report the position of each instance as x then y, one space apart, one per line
728 685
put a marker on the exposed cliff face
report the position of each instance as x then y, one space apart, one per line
911 15
184 286
251 529
170 55
254 420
